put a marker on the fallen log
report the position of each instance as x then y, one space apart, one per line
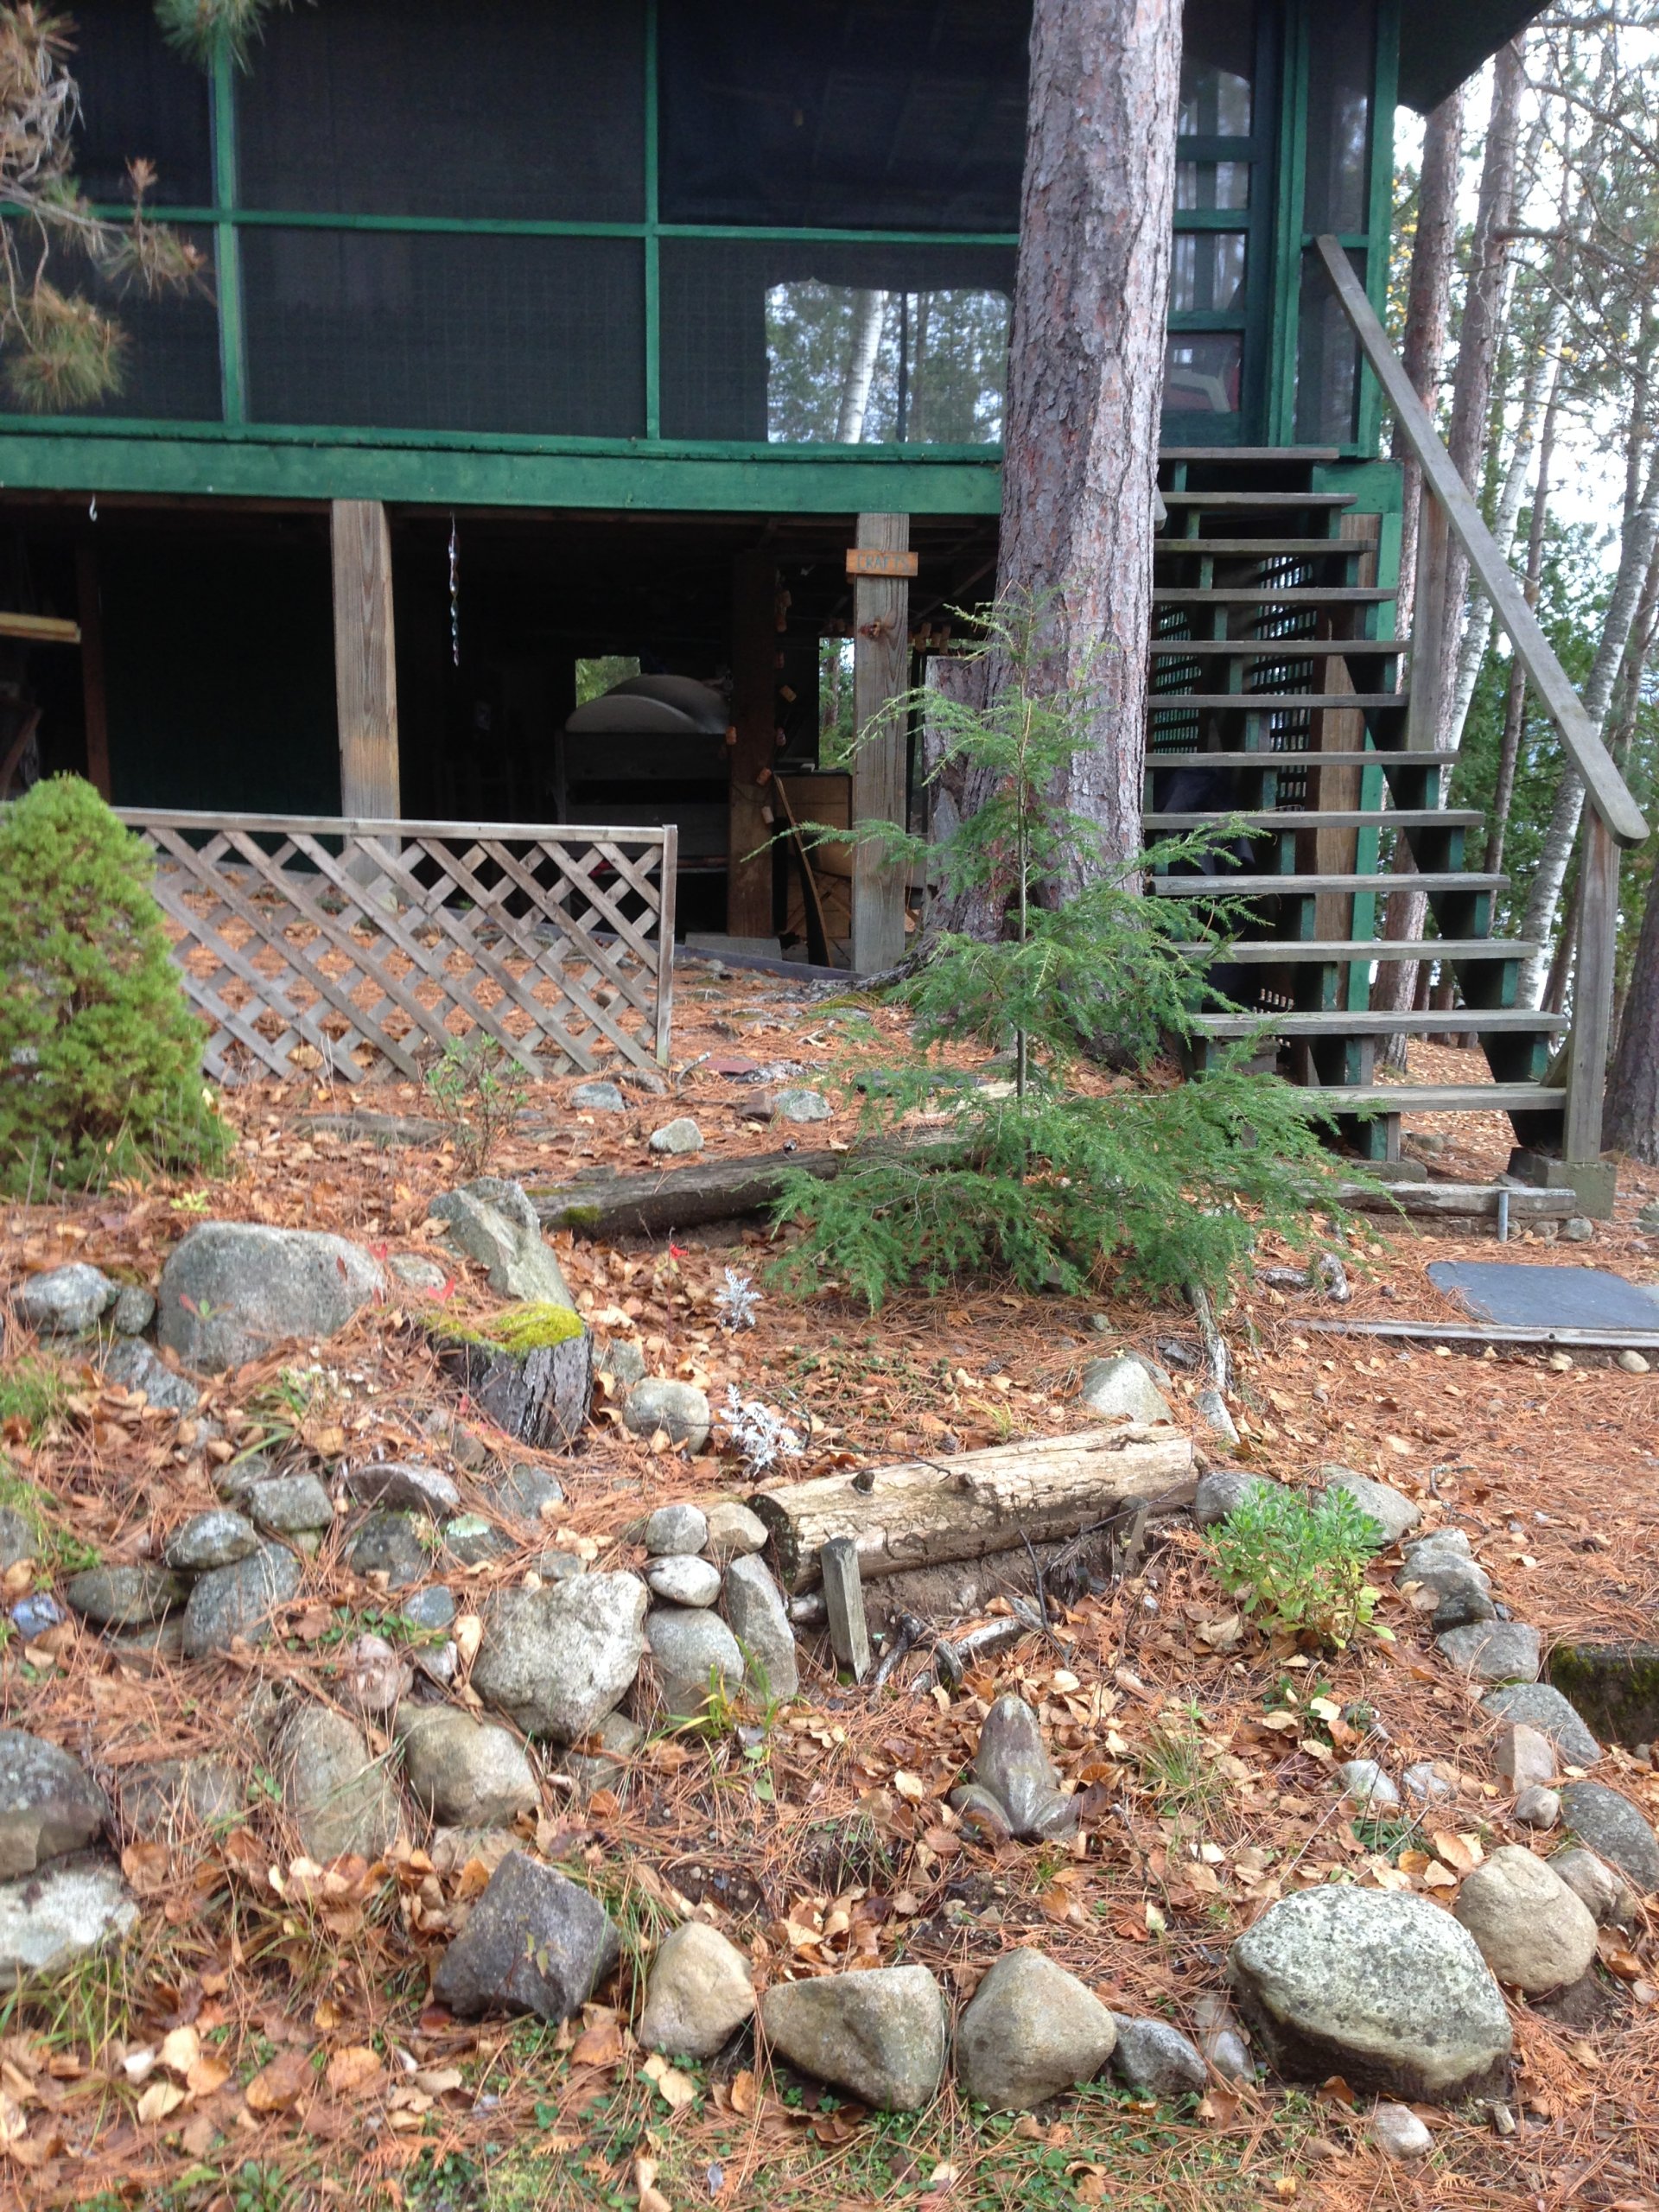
1435 1200
922 1513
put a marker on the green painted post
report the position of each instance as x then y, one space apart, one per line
227 253
653 237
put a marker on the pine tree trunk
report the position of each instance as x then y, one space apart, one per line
1515 705
1086 369
1631 1123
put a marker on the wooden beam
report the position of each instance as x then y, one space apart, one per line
1593 990
752 742
843 1597
94 702
880 664
365 668
40 629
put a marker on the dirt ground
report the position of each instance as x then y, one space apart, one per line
266 2038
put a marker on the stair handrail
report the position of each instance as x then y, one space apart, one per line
1605 788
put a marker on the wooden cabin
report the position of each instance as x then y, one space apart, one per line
548 344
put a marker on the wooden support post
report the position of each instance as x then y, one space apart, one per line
1431 661
365 668
752 743
881 662
843 1598
1592 992
94 702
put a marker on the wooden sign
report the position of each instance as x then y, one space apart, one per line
876 561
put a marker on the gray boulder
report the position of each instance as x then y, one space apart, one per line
219 1538
1392 1514
682 1579
801 1104
337 1793
1608 1898
232 1290
163 1799
558 1659
238 1601
1382 1988
125 1597
133 1311
699 1993
136 1369
1611 1824
67 1911
1451 1581
492 1222
1031 2030
1120 1388
678 1408
1222 1492
65 1300
48 1803
676 1529
466 1773
760 1619
1533 1930
403 1486
533 1942
734 1531
288 1505
1536 1705
878 2035
1493 1652
1157 2059
677 1139
695 1652
598 1098
1012 1766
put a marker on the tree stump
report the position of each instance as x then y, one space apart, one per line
530 1371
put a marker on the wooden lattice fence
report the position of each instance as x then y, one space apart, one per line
360 949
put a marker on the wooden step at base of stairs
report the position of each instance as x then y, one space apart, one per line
1256 549
1267 952
1285 702
1228 885
1267 502
1280 818
1441 1097
1414 1022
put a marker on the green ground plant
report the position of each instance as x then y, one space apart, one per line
1299 1568
100 1055
472 1092
1169 1181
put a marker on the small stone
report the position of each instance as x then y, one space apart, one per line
1012 1762
1560 1363
616 1739
557 1565
65 1301
533 1942
466 1773
1225 2049
133 1367
1222 1492
558 1659
391 1544
1120 1388
1398 2133
1611 1826
1392 1515
1428 1782
21 1535
598 1098
288 1505
801 1105
1534 1932
425 1276
69 1910
336 1791
1537 1807
431 1608
527 1496
698 1995
164 1799
1493 1652
1647 1217
1524 1756
682 1580
621 1360
1157 2059
677 1138
1367 1786
734 1531
238 1601
1578 1228
216 1539
378 1675
475 1542
125 1597
1632 1362
1600 1888
48 1803
1461 1606
760 1619
1545 1708
678 1408
133 1311
1031 2030
673 1530
232 1291
492 1221
697 1654
879 2034
401 1487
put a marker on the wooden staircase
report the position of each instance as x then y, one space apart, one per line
1275 696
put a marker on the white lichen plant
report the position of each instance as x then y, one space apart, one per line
759 1437
737 1301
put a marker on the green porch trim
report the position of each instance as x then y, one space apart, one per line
1380 207
1289 183
227 251
523 227
653 320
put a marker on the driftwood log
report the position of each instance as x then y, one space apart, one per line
606 1204
922 1513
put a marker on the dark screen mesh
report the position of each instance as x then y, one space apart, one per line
138 99
1327 359
421 107
908 115
801 343
401 330
170 363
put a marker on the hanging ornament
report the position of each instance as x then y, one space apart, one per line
455 593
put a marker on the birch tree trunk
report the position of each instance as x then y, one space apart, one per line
1086 371
1428 313
1631 1121
868 310
1514 704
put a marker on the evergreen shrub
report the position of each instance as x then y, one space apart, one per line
100 1057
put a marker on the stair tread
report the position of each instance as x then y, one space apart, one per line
1418 1021
1352 760
1283 817
1269 952
1250 456
1444 1097
1269 501
1270 594
1282 648
1288 887
1245 548
1273 703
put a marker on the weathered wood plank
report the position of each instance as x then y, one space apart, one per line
365 661
880 659
843 1598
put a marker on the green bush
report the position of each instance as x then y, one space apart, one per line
1299 1568
100 1057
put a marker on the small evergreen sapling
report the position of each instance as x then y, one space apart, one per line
1171 1182
100 1057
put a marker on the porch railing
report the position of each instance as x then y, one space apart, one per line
1613 818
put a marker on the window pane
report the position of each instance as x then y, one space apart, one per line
1212 184
845 113
138 99
418 107
1341 58
1207 276
797 343
402 331
1201 372
1218 69
168 359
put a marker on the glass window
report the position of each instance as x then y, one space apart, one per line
1207 274
1212 184
405 330
1341 60
1202 372
418 107
1218 69
844 114
138 100
803 344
